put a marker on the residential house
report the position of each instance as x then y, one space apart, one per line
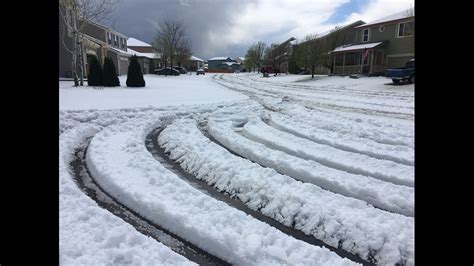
115 45
193 63
385 43
146 55
281 54
95 40
223 64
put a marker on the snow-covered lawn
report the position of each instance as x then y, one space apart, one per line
331 157
159 91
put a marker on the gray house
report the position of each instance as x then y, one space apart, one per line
385 43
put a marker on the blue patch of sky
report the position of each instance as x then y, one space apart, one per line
344 10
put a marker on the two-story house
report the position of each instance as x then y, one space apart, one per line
384 43
115 46
95 40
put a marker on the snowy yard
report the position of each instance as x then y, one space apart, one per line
238 169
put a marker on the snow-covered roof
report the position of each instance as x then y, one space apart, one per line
147 55
400 15
218 58
134 42
356 47
193 58
121 52
230 63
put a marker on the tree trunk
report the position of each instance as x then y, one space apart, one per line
74 61
312 72
81 66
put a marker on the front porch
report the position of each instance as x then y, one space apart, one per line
365 59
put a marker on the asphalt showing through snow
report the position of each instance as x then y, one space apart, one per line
89 186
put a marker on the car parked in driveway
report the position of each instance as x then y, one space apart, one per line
200 71
181 70
406 73
167 72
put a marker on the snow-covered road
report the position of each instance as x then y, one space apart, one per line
332 159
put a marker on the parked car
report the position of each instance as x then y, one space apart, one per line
167 72
181 70
406 73
200 71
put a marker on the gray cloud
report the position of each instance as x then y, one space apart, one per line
139 18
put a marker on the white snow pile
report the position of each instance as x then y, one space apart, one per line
90 235
300 127
355 163
377 128
337 220
381 194
119 161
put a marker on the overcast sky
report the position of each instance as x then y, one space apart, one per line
229 27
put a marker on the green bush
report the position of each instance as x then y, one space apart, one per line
94 77
135 75
109 74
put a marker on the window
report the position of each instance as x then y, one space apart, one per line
115 40
109 38
365 35
353 59
405 29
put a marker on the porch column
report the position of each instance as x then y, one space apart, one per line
361 62
334 64
343 62
372 61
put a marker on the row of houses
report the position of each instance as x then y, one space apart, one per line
101 41
361 48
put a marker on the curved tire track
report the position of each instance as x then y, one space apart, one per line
89 186
159 154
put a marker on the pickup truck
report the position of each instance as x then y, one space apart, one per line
406 73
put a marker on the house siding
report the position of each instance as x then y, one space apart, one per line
397 50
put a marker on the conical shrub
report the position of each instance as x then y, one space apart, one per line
109 74
135 75
94 77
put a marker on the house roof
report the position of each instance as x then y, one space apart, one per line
356 47
121 52
193 58
230 63
396 16
147 55
135 42
354 24
218 58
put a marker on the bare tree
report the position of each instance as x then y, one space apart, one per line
183 51
255 55
171 42
76 14
312 52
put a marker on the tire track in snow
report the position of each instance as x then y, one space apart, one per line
307 103
89 186
151 143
